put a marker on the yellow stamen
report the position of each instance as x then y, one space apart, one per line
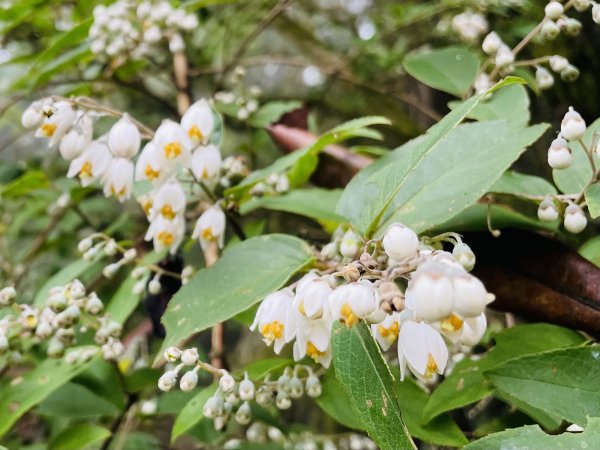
86 170
167 212
301 308
31 321
116 193
172 150
48 129
390 333
432 367
195 133
272 331
207 234
147 206
164 237
150 173
313 352
348 315
205 174
452 323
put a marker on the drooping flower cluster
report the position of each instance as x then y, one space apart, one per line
131 29
233 397
67 309
441 302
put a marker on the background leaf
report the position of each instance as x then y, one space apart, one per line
592 198
79 436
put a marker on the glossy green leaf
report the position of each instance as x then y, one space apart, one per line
368 382
451 69
244 275
512 182
467 384
564 382
336 403
88 405
271 112
26 183
592 198
79 436
531 437
591 250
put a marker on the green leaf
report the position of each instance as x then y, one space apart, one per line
271 112
336 403
368 382
441 431
451 69
577 176
591 250
87 406
565 382
592 198
516 183
79 436
467 384
244 275
30 181
318 204
17 398
531 437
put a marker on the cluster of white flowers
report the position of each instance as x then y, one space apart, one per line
469 25
232 397
572 130
441 300
135 29
241 96
55 321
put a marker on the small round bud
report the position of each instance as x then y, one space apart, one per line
276 435
554 10
569 74
172 354
130 254
190 356
213 407
244 414
313 386
44 330
110 248
504 56
329 251
596 13
575 220
187 271
558 63
581 5
154 286
31 117
7 295
94 305
464 255
547 211
90 254
283 400
138 273
572 26
572 126
264 397
295 388
139 288
491 43
559 154
148 407
167 381
400 242
110 270
544 78
76 290
471 296
55 348
550 30
350 244
227 383
3 344
114 329
188 381
246 389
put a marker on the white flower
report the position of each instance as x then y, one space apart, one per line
272 318
32 116
118 180
149 166
246 389
226 382
430 294
169 201
547 211
172 144
387 331
74 142
198 122
354 301
152 34
92 163
491 43
482 83
554 10
190 356
470 296
350 244
313 340
400 242
166 233
59 119
422 349
572 126
167 381
176 43
559 154
473 330
124 138
464 255
558 63
575 220
311 296
206 162
550 30
504 56
596 13
544 78
210 227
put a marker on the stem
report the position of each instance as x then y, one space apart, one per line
180 68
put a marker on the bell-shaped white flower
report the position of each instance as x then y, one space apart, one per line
354 301
92 164
387 331
558 63
124 138
206 162
504 56
166 233
470 296
151 167
400 242
210 227
311 296
272 318
572 126
544 78
32 116
169 201
464 255
473 330
59 118
430 294
422 349
554 10
491 43
172 144
575 220
118 180
77 138
313 339
559 154
198 122
547 211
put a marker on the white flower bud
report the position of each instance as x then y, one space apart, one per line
152 35
430 293
244 414
283 400
176 43
558 63
350 244
544 78
172 354
550 30
464 255
190 356
110 248
329 251
313 386
581 5
44 330
31 117
110 270
295 388
491 43
187 271
3 344
138 273
114 329
227 383
246 389
130 254
148 407
554 10
94 305
213 407
575 220
596 13
188 381
154 286
84 245
547 211
470 296
167 381
569 74
400 242
72 144
76 290
504 56
7 295
55 348
276 435
559 154
572 126
572 26
124 138
139 288
264 397
72 312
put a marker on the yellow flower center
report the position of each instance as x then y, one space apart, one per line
86 170
432 367
207 234
172 150
118 193
31 321
301 308
272 330
390 333
48 129
313 352
205 174
167 212
348 315
147 206
164 237
150 173
195 133
452 323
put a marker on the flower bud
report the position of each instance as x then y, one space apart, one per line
558 63
430 294
154 286
76 290
572 26
544 78
110 248
130 254
44 330
264 397
124 138
559 154
581 5
148 407
110 270
167 381
329 251
244 414
550 30
84 245
72 145
90 254
504 56
572 126
470 296
596 13
295 388
187 271
350 244
31 117
283 400
94 305
65 335
400 242
138 273
575 220
246 389
172 354
491 43
213 407
7 295
569 74
313 386
190 356
227 383
114 329
55 348
547 211
3 344
554 10
188 381
139 287
464 255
